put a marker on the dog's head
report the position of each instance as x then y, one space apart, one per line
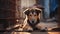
32 14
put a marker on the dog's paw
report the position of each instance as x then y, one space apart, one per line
20 29
30 29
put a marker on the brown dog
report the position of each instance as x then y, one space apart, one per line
32 19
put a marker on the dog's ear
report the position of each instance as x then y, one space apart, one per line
38 10
26 12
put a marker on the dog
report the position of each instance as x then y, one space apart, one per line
32 19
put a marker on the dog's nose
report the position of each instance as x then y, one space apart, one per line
32 21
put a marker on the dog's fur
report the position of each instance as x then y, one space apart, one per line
32 19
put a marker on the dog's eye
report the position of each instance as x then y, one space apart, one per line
30 15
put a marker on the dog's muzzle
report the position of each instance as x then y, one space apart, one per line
32 21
